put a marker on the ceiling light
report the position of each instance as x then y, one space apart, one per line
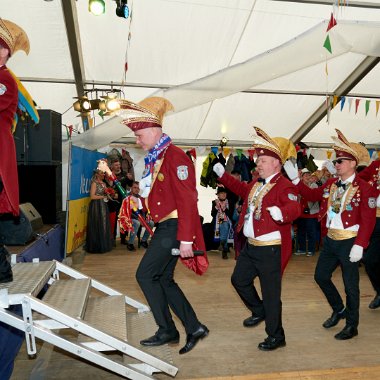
82 105
110 103
97 7
122 9
223 141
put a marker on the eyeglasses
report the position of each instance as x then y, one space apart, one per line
340 160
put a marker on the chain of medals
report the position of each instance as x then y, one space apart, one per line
256 196
337 197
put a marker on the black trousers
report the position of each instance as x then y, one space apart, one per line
155 277
265 263
334 253
371 258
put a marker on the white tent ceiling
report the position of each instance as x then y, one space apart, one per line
174 42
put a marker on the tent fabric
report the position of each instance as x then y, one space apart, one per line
205 52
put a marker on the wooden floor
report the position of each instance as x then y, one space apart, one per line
230 351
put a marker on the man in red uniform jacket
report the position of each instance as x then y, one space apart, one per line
350 205
169 186
371 257
270 205
12 38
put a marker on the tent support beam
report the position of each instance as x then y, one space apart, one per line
350 82
353 3
72 31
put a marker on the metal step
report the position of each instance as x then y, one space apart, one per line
68 296
28 278
108 315
141 326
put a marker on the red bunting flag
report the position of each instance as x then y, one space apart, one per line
332 22
357 101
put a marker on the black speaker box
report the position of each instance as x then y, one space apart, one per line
19 231
40 143
41 185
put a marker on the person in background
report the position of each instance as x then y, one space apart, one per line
98 238
270 205
222 213
169 188
126 180
350 205
307 223
137 204
371 258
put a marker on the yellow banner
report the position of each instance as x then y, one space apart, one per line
77 223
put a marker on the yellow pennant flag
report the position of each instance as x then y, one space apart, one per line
335 101
377 106
329 153
226 151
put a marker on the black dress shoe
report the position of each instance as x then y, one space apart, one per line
375 303
144 244
334 319
252 321
131 247
270 344
192 339
347 333
159 339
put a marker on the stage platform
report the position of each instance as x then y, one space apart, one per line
230 351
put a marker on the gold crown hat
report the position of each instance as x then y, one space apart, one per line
145 114
12 37
343 148
363 154
278 147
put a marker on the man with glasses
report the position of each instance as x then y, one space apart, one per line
350 205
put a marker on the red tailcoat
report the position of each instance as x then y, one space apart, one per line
175 189
9 197
359 206
283 195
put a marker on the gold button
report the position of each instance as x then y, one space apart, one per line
156 216
158 203
194 237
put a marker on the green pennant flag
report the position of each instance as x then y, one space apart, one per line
367 103
327 44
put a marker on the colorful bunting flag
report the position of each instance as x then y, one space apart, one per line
329 153
342 101
349 104
357 101
327 44
239 152
332 23
367 104
377 106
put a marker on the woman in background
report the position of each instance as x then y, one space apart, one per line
98 238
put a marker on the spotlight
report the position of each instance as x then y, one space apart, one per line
122 9
97 7
223 141
110 103
82 105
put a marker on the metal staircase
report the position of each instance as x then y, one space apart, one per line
99 317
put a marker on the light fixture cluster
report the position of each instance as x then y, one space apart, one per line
106 105
223 142
98 7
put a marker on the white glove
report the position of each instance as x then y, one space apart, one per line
292 171
328 164
275 213
378 201
219 169
356 253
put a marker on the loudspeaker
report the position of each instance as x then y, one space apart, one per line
40 143
19 231
41 185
